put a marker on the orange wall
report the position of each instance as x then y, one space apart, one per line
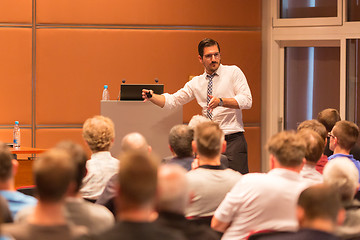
57 66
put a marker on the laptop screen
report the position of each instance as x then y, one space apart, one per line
133 92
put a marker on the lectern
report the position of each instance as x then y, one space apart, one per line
144 117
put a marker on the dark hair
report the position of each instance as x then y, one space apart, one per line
138 177
5 162
180 138
347 134
328 117
320 201
79 157
53 172
315 144
207 42
314 125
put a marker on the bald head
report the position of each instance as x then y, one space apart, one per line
134 142
173 189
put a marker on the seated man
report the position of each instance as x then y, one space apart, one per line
316 126
53 173
343 137
314 150
95 218
341 174
15 199
210 182
131 142
319 211
180 139
266 201
136 195
99 134
173 197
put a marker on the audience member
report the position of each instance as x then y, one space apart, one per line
319 211
316 126
328 117
99 134
341 174
193 123
95 217
210 182
8 168
53 173
314 150
266 201
137 186
173 197
130 142
180 139
343 137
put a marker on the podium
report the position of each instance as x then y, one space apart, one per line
153 122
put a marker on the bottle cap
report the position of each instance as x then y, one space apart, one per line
105 86
16 122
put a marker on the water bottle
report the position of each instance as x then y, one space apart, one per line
106 94
16 135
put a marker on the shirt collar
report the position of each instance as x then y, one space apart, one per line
213 167
216 73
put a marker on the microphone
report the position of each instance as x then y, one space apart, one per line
123 82
156 80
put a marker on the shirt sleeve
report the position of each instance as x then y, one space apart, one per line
229 206
181 97
242 90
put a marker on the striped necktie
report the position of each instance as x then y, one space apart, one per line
209 92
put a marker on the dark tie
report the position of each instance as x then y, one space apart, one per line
209 92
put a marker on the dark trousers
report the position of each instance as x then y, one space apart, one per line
236 152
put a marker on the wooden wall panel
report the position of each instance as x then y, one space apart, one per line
74 64
48 138
253 139
6 136
15 11
15 75
239 13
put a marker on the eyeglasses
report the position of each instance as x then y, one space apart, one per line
331 135
210 55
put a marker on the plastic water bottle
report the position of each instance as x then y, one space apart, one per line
106 94
16 134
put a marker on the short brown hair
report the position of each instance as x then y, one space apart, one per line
79 157
320 201
138 177
314 125
315 145
288 148
99 133
347 134
180 139
6 167
53 172
328 117
208 138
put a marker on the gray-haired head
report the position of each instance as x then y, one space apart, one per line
344 176
180 139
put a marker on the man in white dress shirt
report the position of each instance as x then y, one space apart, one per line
222 92
262 201
99 134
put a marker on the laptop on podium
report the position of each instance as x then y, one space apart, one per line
133 92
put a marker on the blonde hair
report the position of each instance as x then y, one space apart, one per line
288 148
99 133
